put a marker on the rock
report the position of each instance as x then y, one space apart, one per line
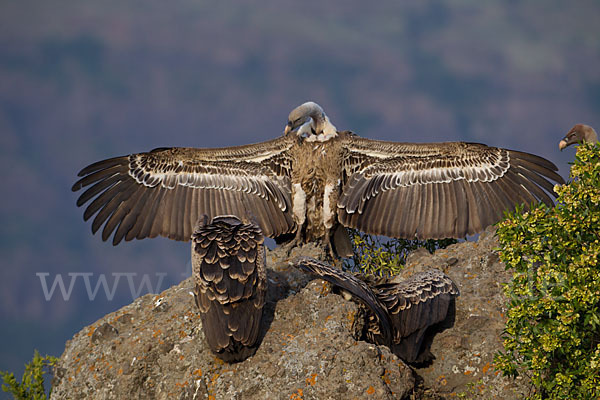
154 348
104 332
464 354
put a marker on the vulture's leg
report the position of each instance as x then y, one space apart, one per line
299 214
330 200
328 245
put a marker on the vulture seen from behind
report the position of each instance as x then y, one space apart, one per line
399 314
228 262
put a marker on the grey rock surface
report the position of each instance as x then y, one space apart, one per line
464 354
154 348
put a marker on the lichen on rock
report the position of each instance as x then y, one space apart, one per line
154 348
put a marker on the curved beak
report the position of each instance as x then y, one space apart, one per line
288 128
562 144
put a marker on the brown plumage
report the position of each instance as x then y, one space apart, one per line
228 261
398 314
579 133
360 289
313 181
414 306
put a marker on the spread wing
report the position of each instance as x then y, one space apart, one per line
228 261
355 286
164 191
418 302
437 190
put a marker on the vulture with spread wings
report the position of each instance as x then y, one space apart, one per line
311 182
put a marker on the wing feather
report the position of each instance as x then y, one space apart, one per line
183 183
444 189
415 303
230 276
350 283
130 225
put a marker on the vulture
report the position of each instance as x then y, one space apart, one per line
313 181
228 263
579 133
399 314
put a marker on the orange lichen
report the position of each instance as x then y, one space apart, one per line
120 371
385 377
297 395
156 332
91 331
350 316
312 380
370 390
197 372
485 368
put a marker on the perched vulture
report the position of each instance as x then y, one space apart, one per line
228 261
579 133
398 314
313 181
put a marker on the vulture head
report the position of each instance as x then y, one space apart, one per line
310 122
580 133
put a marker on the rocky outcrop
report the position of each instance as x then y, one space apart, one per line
155 348
464 354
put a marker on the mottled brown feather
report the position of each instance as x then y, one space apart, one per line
229 271
397 312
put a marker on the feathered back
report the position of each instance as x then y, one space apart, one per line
398 314
228 261
414 305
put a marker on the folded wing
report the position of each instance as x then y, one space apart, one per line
417 302
355 286
228 262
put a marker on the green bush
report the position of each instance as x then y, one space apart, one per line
382 256
31 386
552 334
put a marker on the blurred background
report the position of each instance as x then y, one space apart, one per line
82 81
